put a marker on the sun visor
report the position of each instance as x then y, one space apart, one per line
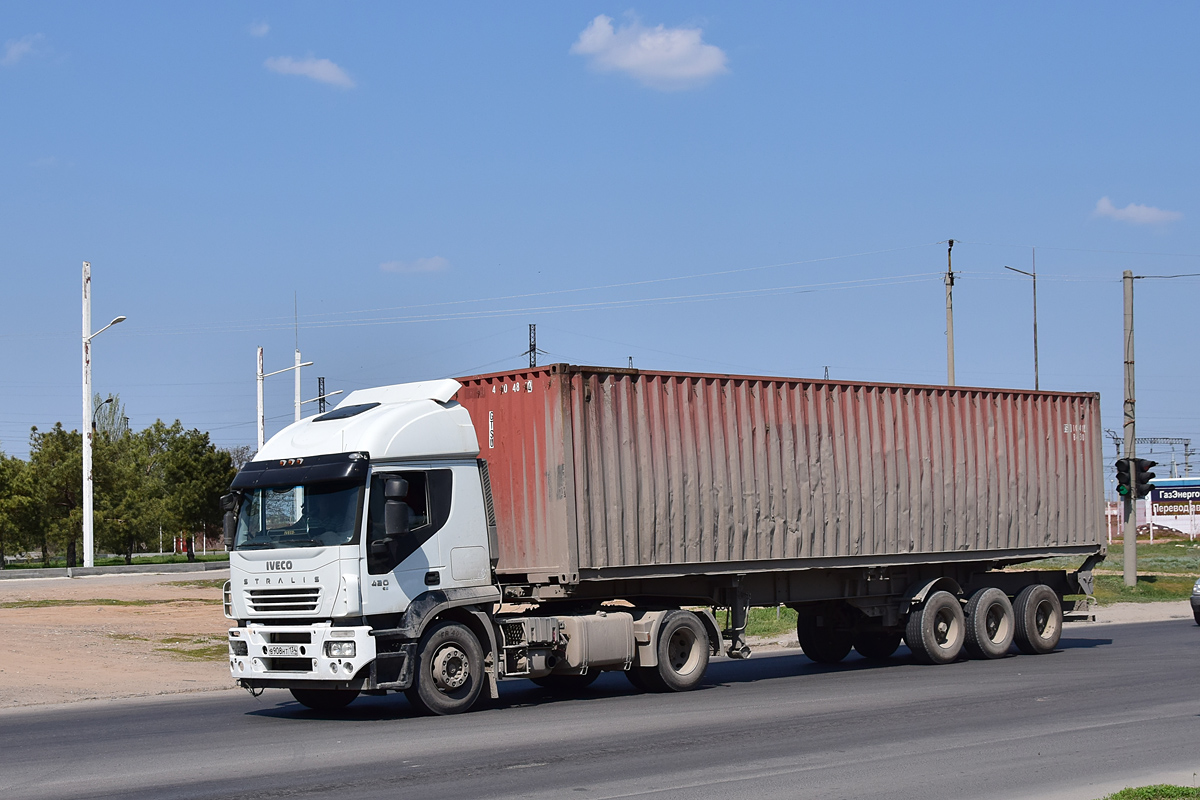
295 471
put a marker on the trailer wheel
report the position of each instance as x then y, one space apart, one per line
325 699
1039 619
876 645
449 672
990 624
821 643
682 654
935 631
567 684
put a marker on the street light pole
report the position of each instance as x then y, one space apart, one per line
1036 383
89 558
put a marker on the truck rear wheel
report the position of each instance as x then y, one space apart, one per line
1039 619
325 699
449 672
876 645
935 631
682 654
822 643
990 624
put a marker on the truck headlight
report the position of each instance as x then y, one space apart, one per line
1196 588
239 648
339 649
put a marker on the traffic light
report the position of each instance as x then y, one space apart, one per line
1144 476
1123 487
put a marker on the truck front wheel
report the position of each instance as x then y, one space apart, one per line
449 672
325 699
682 654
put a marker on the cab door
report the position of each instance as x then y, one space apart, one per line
412 561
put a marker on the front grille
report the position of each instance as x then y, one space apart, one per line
266 601
289 664
288 637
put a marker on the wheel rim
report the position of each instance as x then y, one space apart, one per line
946 629
682 653
451 668
998 624
1045 622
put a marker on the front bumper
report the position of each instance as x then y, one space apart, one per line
300 652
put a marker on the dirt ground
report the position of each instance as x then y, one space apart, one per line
110 636
165 634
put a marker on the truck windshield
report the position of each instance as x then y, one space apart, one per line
300 516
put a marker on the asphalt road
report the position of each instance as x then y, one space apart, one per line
1117 705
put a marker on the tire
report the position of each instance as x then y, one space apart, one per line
1039 619
682 654
876 645
325 699
566 684
991 624
935 632
449 674
1196 614
637 677
821 643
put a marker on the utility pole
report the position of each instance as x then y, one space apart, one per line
949 316
320 395
532 345
262 422
297 384
1130 508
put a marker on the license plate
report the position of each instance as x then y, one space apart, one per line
283 649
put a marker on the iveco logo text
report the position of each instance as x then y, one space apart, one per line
278 565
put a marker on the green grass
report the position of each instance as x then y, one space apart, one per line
118 561
204 648
1160 792
1149 589
762 622
216 583
1180 556
103 601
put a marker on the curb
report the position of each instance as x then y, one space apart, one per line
80 572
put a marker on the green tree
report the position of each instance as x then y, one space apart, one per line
56 473
196 474
17 506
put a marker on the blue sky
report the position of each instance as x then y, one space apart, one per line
751 188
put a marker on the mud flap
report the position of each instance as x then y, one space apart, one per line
394 670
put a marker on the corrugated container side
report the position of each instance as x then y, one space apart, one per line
595 468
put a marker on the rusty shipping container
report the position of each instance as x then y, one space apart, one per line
607 473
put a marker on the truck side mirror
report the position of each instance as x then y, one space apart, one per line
230 503
397 516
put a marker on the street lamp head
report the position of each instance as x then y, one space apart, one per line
118 319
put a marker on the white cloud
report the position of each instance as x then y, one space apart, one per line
259 28
434 264
661 58
1135 214
319 69
16 49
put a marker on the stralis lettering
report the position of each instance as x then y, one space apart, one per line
278 565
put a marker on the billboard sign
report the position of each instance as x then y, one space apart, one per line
1175 501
